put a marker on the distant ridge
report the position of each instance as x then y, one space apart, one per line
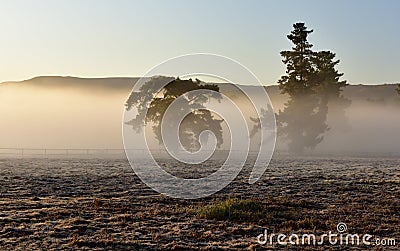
109 81
382 93
73 82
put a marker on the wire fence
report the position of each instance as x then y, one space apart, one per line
57 151
70 152
159 152
94 152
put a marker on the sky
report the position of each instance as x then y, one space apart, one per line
96 38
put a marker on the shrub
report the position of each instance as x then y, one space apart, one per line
249 210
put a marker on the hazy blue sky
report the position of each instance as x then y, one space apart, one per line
125 38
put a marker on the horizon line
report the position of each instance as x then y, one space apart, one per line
137 77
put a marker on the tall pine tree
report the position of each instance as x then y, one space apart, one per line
311 82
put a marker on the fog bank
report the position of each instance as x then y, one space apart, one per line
77 115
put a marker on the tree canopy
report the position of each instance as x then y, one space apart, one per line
156 105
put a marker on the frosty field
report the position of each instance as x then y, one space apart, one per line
74 203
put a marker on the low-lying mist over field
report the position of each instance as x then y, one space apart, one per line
371 128
59 115
64 112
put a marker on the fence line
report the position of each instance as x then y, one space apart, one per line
47 152
65 151
85 151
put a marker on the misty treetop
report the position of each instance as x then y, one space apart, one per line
311 82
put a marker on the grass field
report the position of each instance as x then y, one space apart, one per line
100 204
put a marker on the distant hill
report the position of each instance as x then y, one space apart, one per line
374 94
111 83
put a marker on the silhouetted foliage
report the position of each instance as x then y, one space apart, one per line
311 81
193 124
329 88
265 118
